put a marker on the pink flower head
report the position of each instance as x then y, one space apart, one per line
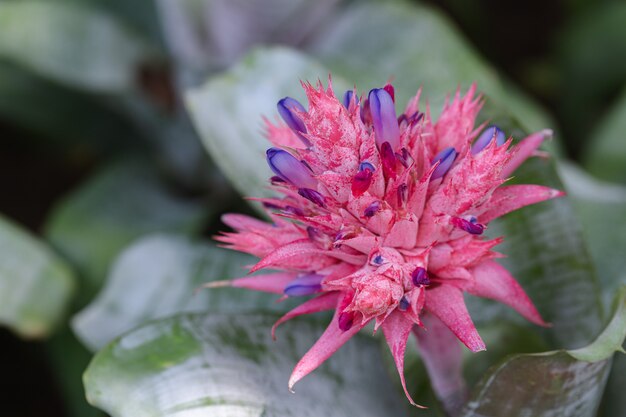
381 217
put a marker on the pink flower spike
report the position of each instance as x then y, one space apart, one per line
397 328
524 150
446 303
492 280
324 302
328 343
443 358
373 226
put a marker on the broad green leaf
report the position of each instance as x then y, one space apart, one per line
605 155
122 202
71 44
564 383
227 365
371 42
601 208
53 112
228 111
35 284
160 275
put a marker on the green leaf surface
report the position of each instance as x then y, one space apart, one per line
601 208
228 111
605 157
227 365
35 284
53 112
565 383
160 275
371 42
122 202
71 44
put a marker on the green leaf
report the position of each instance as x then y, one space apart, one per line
35 284
568 383
122 202
73 45
158 276
416 46
227 365
44 107
600 207
606 153
228 110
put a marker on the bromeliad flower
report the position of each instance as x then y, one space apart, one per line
381 217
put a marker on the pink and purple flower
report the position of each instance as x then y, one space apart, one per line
381 217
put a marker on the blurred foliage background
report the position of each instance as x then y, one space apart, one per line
98 149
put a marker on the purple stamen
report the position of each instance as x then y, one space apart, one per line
377 260
345 321
372 209
420 277
445 158
304 285
403 194
404 157
286 107
288 168
313 196
383 113
404 304
485 138
468 225
348 97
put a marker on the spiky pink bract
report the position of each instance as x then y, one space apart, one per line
394 227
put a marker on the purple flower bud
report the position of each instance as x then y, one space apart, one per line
348 96
313 196
404 304
287 167
446 159
420 277
306 284
470 226
372 209
346 320
485 138
383 113
286 108
377 260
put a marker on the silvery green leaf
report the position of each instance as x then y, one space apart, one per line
228 365
119 204
228 111
71 44
35 284
160 275
558 383
605 155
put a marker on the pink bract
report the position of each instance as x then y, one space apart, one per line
385 227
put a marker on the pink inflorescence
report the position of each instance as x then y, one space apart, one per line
381 217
